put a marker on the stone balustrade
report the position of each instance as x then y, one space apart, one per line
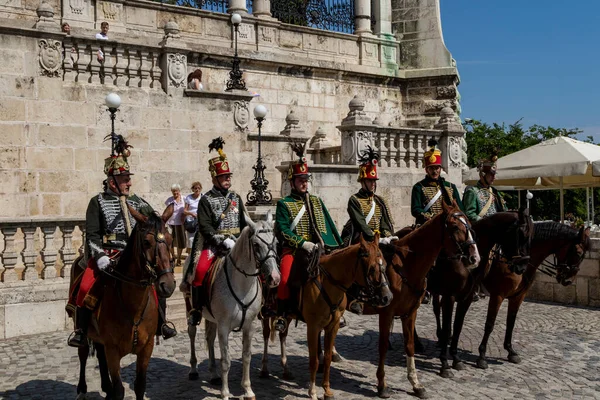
37 240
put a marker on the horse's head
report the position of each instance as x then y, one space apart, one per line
263 247
516 241
458 240
154 242
373 277
568 258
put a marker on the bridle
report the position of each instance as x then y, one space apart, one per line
555 268
514 263
463 248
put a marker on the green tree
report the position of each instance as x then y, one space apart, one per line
482 138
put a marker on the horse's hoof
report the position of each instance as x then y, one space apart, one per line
326 397
458 365
384 392
216 381
288 376
446 373
419 348
193 376
264 374
514 358
336 358
421 393
482 364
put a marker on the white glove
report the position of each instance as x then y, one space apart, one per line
392 238
103 262
385 240
308 246
218 239
228 243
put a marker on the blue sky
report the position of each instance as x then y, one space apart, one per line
533 59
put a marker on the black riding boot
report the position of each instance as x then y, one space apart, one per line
280 323
196 312
164 328
426 298
79 337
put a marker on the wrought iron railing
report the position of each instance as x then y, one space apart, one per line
208 5
331 15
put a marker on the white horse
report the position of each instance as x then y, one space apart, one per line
236 301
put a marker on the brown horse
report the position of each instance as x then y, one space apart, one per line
127 317
568 246
323 301
410 259
512 232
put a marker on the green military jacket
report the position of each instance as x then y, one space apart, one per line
105 225
220 212
359 207
288 209
476 197
424 191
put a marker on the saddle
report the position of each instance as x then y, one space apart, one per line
205 291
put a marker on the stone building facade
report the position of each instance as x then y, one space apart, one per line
391 83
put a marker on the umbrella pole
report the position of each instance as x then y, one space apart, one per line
592 212
562 203
587 205
519 197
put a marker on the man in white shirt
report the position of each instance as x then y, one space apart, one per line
102 35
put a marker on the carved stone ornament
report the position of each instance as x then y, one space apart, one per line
455 152
177 67
50 56
241 115
77 6
354 144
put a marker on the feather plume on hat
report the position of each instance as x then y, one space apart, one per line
217 144
368 156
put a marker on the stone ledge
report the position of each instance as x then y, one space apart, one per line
278 138
233 95
38 291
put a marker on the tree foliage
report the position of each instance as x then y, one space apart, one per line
482 138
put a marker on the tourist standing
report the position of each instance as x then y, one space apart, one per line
191 210
176 221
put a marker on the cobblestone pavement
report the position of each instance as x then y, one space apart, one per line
560 347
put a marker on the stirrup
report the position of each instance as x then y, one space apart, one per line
280 324
194 317
73 343
356 307
165 326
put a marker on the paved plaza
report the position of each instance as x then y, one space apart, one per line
560 347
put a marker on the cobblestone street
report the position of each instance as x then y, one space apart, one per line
560 348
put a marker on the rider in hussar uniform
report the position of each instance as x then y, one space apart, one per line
301 223
369 212
483 200
108 225
428 194
220 221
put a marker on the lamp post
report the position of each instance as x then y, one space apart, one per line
112 101
235 81
259 195
528 196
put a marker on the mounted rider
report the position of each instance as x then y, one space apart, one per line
483 200
302 223
108 225
369 212
220 222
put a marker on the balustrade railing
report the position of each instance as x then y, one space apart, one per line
331 15
208 5
328 155
402 147
30 252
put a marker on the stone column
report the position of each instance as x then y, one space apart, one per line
382 11
362 17
9 255
29 254
67 252
451 145
261 8
49 253
237 6
357 132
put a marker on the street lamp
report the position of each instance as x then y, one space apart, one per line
528 196
112 101
235 81
259 195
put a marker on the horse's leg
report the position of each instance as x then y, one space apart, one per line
246 358
408 327
210 330
419 348
335 356
437 309
104 376
141 367
385 325
330 334
83 353
193 374
448 307
266 325
462 307
113 362
312 335
287 374
490 320
321 355
513 309
223 332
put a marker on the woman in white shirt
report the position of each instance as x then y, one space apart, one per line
191 208
176 221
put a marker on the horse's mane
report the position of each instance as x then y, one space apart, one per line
553 230
154 223
242 246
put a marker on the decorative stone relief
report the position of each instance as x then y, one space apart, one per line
464 156
246 33
77 6
78 12
241 115
176 69
446 92
455 152
111 11
267 34
50 56
354 143
389 54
